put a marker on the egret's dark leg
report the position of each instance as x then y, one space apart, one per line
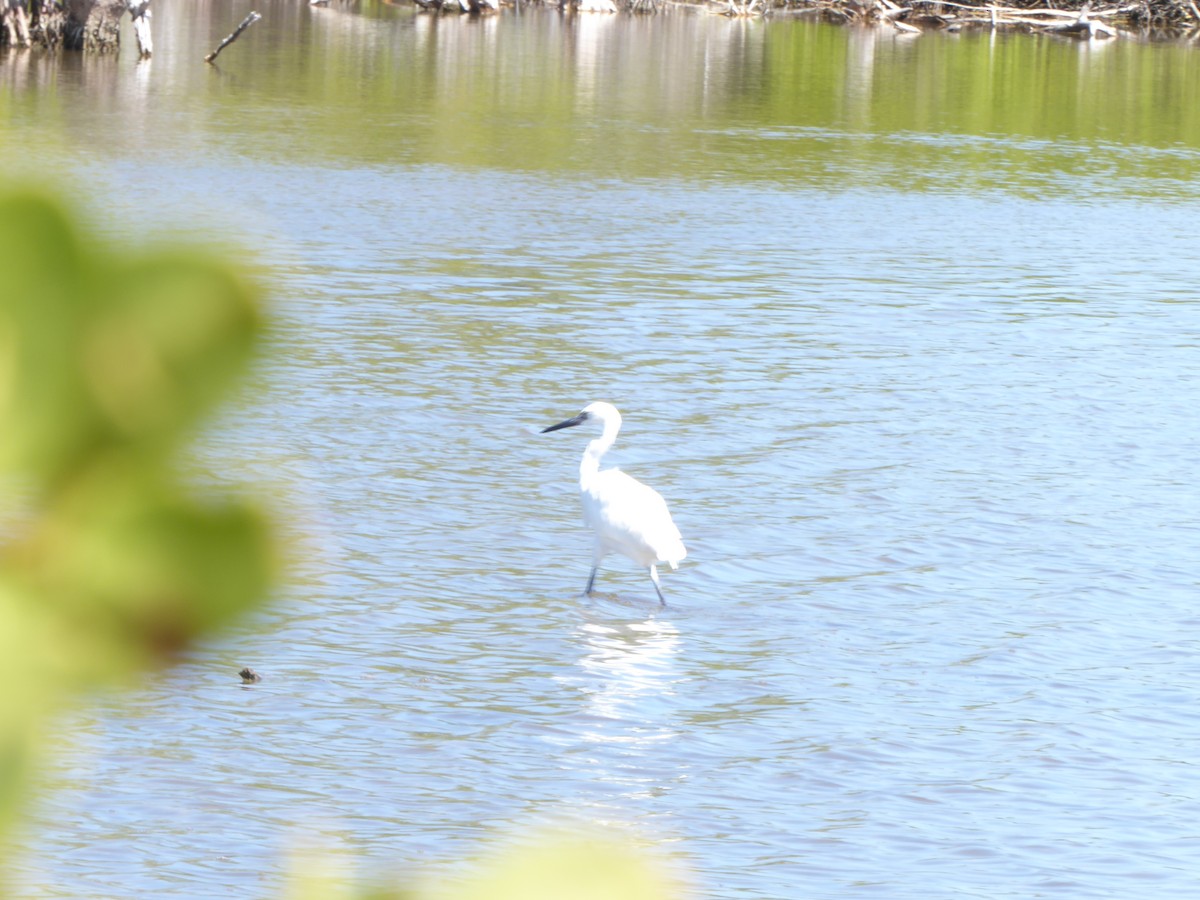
658 590
591 580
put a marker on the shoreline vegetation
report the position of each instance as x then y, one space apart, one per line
94 25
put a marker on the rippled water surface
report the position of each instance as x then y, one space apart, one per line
931 443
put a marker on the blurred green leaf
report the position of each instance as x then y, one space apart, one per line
569 867
142 568
40 320
107 361
100 353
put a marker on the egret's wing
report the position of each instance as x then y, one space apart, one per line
631 518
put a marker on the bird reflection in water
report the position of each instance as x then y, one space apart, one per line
621 738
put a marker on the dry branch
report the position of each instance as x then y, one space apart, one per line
246 23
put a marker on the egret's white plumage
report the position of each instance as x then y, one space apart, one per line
627 516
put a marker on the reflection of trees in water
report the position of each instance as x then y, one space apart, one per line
618 65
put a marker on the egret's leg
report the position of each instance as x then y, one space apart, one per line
591 580
657 589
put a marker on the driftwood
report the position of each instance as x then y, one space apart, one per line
743 9
458 6
922 15
93 25
16 22
90 25
912 17
1084 26
1083 23
139 14
47 24
246 23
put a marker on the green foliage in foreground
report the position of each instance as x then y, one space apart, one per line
109 564
574 863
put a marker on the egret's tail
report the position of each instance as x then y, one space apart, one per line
673 554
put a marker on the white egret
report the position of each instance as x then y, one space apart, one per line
627 516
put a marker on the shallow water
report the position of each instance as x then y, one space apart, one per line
917 375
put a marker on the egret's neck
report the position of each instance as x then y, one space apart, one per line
589 466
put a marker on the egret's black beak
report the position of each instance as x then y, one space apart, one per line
582 417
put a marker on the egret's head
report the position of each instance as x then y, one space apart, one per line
604 413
